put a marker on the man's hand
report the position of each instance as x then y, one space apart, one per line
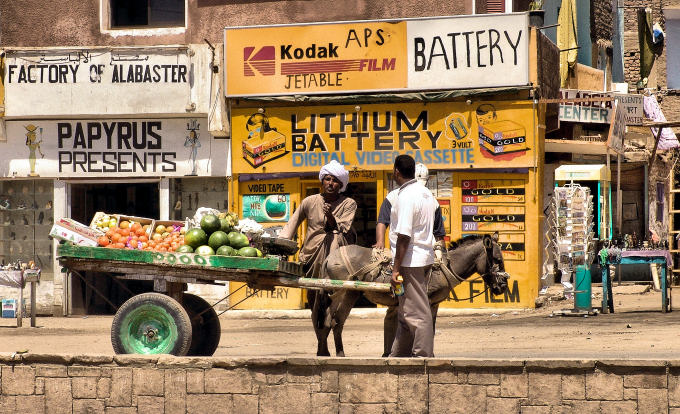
395 275
326 208
379 245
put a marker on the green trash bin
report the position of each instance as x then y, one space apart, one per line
583 289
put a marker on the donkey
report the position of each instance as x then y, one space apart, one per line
470 255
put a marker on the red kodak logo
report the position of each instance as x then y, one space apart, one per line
263 61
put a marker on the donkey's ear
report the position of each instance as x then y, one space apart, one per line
452 246
494 237
486 240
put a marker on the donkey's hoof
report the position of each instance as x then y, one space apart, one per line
321 354
340 354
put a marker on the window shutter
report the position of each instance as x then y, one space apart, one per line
495 6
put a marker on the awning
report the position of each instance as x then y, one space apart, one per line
387 97
583 172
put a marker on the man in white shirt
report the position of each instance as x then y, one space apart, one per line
411 241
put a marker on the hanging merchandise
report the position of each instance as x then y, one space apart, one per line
571 239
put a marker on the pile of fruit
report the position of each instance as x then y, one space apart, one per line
217 236
104 222
128 235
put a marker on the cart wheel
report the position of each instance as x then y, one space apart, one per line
205 329
151 323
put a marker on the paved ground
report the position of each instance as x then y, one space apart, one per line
637 330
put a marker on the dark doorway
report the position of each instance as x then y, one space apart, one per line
130 199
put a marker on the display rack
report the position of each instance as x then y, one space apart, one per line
570 236
26 217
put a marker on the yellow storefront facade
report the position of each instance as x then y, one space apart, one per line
484 151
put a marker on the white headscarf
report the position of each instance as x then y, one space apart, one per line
335 169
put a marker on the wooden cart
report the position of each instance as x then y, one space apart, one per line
169 320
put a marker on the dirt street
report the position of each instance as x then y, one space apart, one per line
638 329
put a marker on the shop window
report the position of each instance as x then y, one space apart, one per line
146 13
26 217
188 194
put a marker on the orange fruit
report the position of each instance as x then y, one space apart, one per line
143 238
135 226
125 232
124 224
110 233
115 237
103 241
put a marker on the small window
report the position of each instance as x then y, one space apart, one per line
146 13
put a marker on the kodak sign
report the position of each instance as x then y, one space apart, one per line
364 56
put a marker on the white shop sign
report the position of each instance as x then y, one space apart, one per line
600 112
113 147
92 82
468 52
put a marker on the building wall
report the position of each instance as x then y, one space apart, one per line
25 23
135 383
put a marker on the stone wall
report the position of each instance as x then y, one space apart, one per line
137 384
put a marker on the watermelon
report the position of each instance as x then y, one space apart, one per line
184 249
226 251
210 223
218 239
195 238
247 252
205 250
238 240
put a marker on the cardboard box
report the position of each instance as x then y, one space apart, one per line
70 230
97 216
170 223
9 308
65 234
141 220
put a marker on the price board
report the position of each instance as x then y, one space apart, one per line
493 191
496 205
512 245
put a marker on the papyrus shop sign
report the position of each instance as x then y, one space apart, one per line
441 135
116 147
97 82
600 112
457 52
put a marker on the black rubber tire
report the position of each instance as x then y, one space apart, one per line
139 313
206 329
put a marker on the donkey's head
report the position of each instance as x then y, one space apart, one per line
493 270
482 255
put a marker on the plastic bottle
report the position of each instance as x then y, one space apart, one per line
399 288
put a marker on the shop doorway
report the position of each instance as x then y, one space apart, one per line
130 199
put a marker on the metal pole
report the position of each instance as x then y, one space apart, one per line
619 202
33 311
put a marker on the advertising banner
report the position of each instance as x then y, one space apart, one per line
458 52
123 147
448 135
267 208
130 81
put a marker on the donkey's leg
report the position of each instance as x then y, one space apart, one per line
342 303
390 330
434 308
320 308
